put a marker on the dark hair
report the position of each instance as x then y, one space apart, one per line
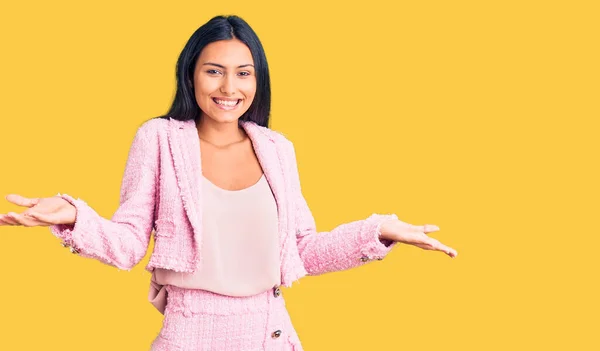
184 106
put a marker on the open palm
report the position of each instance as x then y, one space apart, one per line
416 235
44 211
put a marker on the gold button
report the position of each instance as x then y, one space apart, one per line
64 244
365 258
276 334
277 292
74 250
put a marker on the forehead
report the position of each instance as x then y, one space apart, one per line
227 53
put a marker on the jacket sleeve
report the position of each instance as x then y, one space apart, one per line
123 240
347 246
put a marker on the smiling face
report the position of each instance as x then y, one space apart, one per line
224 80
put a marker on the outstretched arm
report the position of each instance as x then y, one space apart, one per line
121 241
346 246
356 243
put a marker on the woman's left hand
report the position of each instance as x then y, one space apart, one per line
398 231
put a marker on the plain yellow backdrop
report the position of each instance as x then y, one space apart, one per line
478 116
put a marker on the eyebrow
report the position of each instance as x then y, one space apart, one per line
221 66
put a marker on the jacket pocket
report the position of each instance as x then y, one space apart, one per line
165 228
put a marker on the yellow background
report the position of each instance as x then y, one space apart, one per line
478 116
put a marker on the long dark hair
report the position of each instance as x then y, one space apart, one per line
184 106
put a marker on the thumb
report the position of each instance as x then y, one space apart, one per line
21 200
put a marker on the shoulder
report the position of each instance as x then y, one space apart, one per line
152 131
153 126
149 135
277 137
283 144
257 132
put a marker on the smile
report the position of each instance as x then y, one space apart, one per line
227 104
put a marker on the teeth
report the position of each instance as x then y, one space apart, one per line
226 103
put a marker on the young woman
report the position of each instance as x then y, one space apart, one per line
221 193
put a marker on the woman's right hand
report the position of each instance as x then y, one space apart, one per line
44 211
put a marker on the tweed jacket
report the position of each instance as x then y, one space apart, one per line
161 195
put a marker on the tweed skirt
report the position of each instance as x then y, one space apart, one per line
199 320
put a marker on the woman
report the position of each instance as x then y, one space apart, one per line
222 195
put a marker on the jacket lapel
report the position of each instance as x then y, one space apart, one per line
270 161
185 150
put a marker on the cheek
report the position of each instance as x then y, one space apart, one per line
249 89
202 91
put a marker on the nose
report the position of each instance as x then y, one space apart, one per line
228 86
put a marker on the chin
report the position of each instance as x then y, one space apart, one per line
225 118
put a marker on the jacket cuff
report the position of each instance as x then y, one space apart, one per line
65 231
372 246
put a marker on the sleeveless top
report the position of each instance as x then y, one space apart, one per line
240 243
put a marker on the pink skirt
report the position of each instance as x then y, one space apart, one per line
199 320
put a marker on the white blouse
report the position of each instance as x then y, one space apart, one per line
240 243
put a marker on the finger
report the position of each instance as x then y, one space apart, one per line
42 218
415 238
427 228
24 220
423 246
6 220
430 228
21 200
448 251
437 245
28 215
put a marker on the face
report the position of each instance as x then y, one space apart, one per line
224 80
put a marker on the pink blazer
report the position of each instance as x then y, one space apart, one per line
161 193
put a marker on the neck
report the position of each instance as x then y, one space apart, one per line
219 133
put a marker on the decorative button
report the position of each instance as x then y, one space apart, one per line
276 334
277 292
74 250
379 258
64 244
365 258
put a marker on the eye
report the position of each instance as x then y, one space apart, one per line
212 71
244 73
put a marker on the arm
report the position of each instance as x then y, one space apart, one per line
347 246
122 241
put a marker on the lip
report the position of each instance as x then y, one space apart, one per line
225 98
227 108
